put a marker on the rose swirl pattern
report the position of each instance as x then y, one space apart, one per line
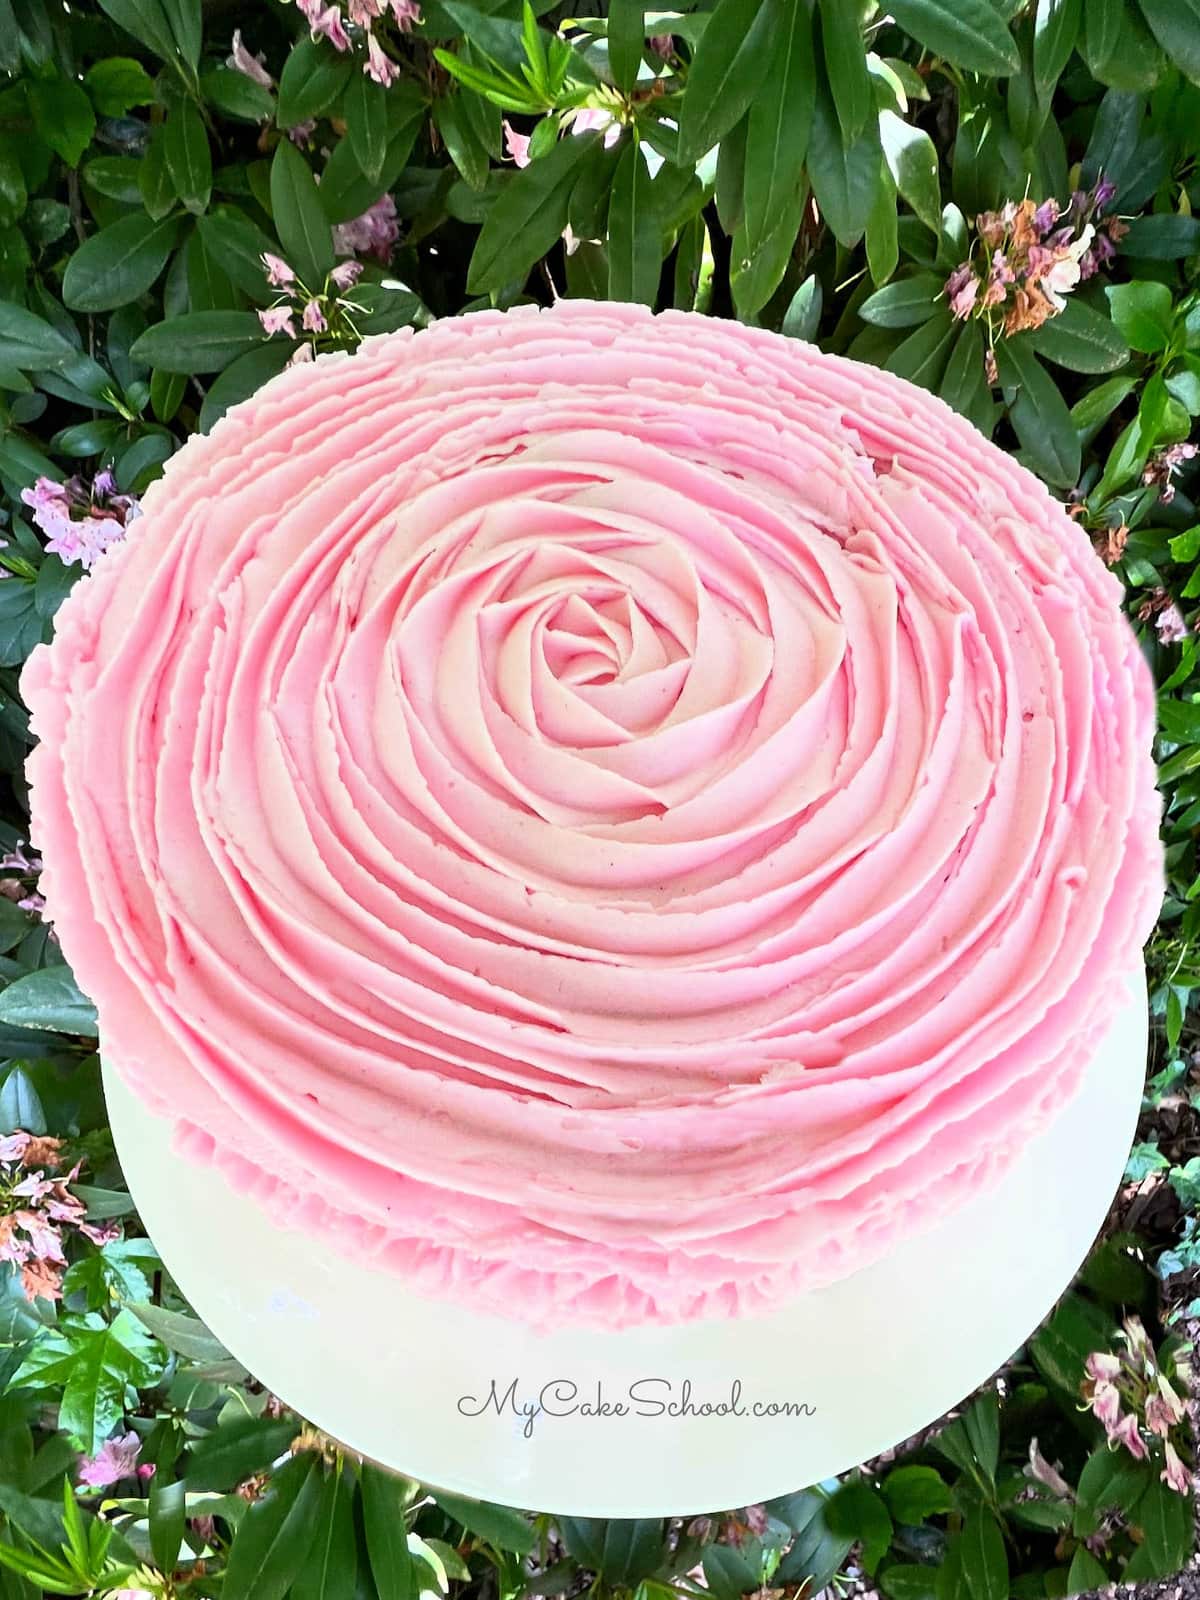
614 816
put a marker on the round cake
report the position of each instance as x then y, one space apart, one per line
614 817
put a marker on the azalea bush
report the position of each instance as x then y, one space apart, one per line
992 198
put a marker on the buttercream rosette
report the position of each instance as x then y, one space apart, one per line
616 817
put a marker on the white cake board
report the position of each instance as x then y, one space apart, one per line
877 1356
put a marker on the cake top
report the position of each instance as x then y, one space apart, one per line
615 815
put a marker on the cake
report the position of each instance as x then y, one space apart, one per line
617 818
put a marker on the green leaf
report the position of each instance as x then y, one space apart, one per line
779 123
846 66
908 1581
984 1558
238 1450
1055 32
117 265
236 95
367 122
883 230
1176 26
147 22
963 381
199 341
726 73
1110 1481
332 1569
905 303
462 145
154 178
1086 1572
1143 313
922 357
244 377
313 76
94 1362
383 1499
1167 236
857 1511
913 164
184 26
167 1513
48 999
803 315
1080 339
626 42
500 1526
844 176
527 217
968 33
622 1550
62 115
184 1334
117 84
188 157
20 1104
239 245
30 342
271 1545
300 221
1166 1518
634 232
1039 414
756 272
914 1493
1064 1342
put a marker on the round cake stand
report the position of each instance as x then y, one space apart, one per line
426 1387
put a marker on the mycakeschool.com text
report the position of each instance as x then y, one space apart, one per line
644 1397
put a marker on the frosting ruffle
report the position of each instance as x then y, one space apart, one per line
615 817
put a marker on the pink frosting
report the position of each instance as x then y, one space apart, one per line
615 817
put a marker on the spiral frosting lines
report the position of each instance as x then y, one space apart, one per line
617 817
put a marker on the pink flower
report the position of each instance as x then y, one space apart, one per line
34 1187
96 535
962 286
325 20
130 1594
379 66
407 14
1158 1416
1175 1475
1169 625
363 12
250 66
1103 1365
663 45
1064 275
43 1236
279 274
12 1146
115 1459
302 132
593 120
1106 1403
1046 215
373 233
300 355
346 274
313 320
1127 1433
146 1470
516 144
278 319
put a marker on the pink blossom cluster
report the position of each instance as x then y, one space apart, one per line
35 1209
1162 466
81 522
1131 1397
340 27
1026 257
116 1458
318 313
374 233
17 888
1169 622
